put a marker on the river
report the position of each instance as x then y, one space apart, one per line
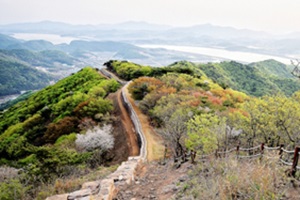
245 57
53 38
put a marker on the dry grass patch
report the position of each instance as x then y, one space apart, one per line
229 178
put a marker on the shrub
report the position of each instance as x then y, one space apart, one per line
65 126
66 140
12 190
93 107
7 173
96 138
232 179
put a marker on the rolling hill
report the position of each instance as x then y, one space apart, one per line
257 79
16 76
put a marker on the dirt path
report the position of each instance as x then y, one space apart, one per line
127 124
155 181
129 129
155 146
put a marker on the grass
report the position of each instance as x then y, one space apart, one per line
230 179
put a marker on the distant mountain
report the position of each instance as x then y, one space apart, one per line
139 25
132 32
6 41
125 50
295 35
63 52
22 69
34 45
60 28
209 30
197 30
274 68
46 58
43 27
16 77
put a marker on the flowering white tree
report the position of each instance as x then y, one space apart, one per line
96 138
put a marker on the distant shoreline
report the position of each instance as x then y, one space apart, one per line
238 56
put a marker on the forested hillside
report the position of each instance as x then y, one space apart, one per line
195 114
19 72
6 41
16 76
187 92
46 58
39 134
77 48
192 106
257 79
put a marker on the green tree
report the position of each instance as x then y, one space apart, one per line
206 132
270 119
173 111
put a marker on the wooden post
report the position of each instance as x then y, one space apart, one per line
281 151
262 147
165 153
193 156
237 150
295 161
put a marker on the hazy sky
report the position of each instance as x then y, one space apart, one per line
270 15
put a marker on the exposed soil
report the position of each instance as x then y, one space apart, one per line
155 144
129 128
123 131
155 181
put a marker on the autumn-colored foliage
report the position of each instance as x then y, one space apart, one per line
64 126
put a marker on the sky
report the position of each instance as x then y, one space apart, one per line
279 16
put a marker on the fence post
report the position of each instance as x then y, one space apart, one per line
216 154
295 161
281 151
237 150
262 147
165 153
193 156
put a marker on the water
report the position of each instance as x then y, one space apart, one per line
6 98
53 38
245 57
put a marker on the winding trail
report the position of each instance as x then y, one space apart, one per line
143 142
155 146
132 142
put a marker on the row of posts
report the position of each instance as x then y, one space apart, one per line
293 170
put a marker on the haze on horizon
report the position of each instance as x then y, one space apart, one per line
268 15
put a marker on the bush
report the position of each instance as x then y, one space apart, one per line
12 190
96 138
66 140
232 179
63 127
